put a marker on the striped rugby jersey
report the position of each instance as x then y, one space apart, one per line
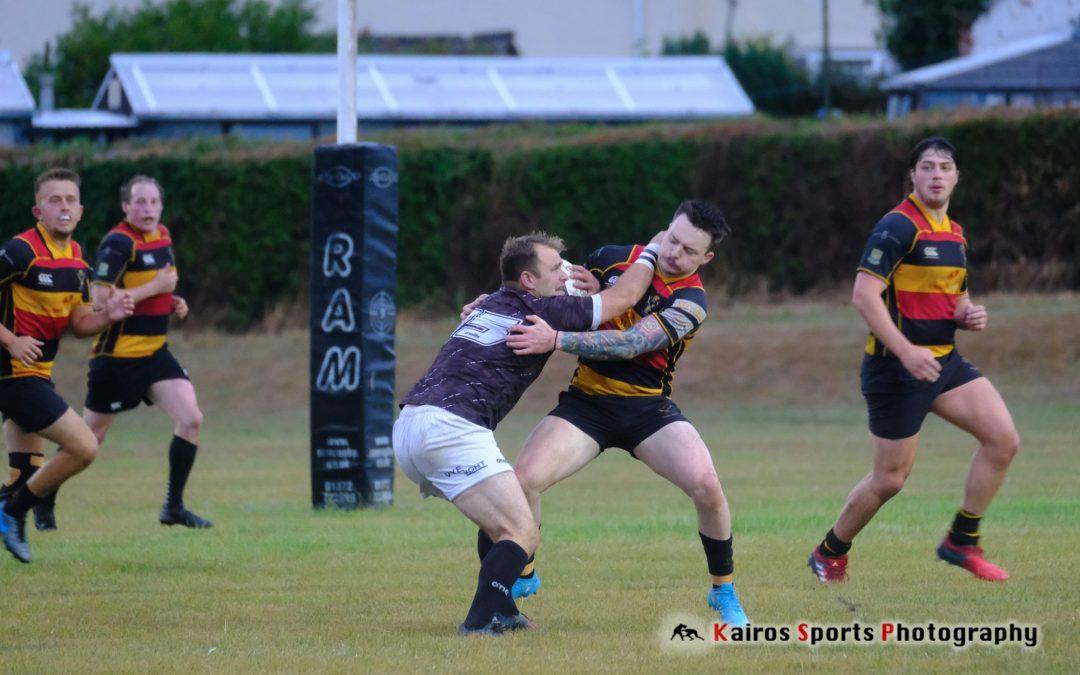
128 258
924 266
680 306
41 283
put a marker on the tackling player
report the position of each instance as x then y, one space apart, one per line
911 289
43 290
620 392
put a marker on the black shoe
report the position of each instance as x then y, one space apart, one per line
44 517
181 516
14 536
493 628
518 622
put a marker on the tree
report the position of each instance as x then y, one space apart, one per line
81 56
921 32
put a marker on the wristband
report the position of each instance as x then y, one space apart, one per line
648 256
555 345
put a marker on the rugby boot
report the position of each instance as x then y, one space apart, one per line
828 569
13 535
45 516
493 628
723 599
171 515
526 586
970 558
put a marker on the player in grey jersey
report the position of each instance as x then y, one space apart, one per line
443 438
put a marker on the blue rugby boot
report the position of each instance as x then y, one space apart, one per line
723 599
526 586
13 534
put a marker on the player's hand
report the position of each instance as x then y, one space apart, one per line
920 362
165 280
468 309
584 280
973 318
539 338
179 307
119 306
25 349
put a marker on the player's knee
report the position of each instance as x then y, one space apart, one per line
1004 447
529 484
888 485
84 451
707 493
189 425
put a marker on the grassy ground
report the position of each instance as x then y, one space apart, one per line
275 586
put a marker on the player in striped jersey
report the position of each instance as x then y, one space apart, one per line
131 361
620 393
43 291
911 289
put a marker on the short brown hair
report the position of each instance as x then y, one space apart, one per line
519 253
125 189
58 173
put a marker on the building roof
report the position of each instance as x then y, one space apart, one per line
1050 61
422 88
15 97
83 119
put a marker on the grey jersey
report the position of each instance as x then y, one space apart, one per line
475 375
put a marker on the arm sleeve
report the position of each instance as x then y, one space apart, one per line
112 258
570 312
16 256
684 315
893 238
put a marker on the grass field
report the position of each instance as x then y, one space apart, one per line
276 586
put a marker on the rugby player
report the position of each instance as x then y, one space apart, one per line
131 361
911 289
443 438
620 393
44 288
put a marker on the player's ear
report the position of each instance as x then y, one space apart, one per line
709 255
36 211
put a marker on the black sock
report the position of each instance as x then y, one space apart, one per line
718 555
832 546
484 544
22 502
22 465
501 566
181 459
965 529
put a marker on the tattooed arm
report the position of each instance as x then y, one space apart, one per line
645 336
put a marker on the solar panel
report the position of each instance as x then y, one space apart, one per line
255 86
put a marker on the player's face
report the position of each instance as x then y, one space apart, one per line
58 207
935 176
549 277
144 209
683 249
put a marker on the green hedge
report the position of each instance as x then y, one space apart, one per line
800 198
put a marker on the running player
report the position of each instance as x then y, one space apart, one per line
911 289
44 288
443 438
131 361
620 392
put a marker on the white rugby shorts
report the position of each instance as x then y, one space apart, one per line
443 453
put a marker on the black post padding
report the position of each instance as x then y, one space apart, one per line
353 279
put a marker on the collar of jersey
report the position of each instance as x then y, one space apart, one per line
154 236
943 225
50 243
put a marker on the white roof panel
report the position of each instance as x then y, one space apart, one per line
294 86
15 97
